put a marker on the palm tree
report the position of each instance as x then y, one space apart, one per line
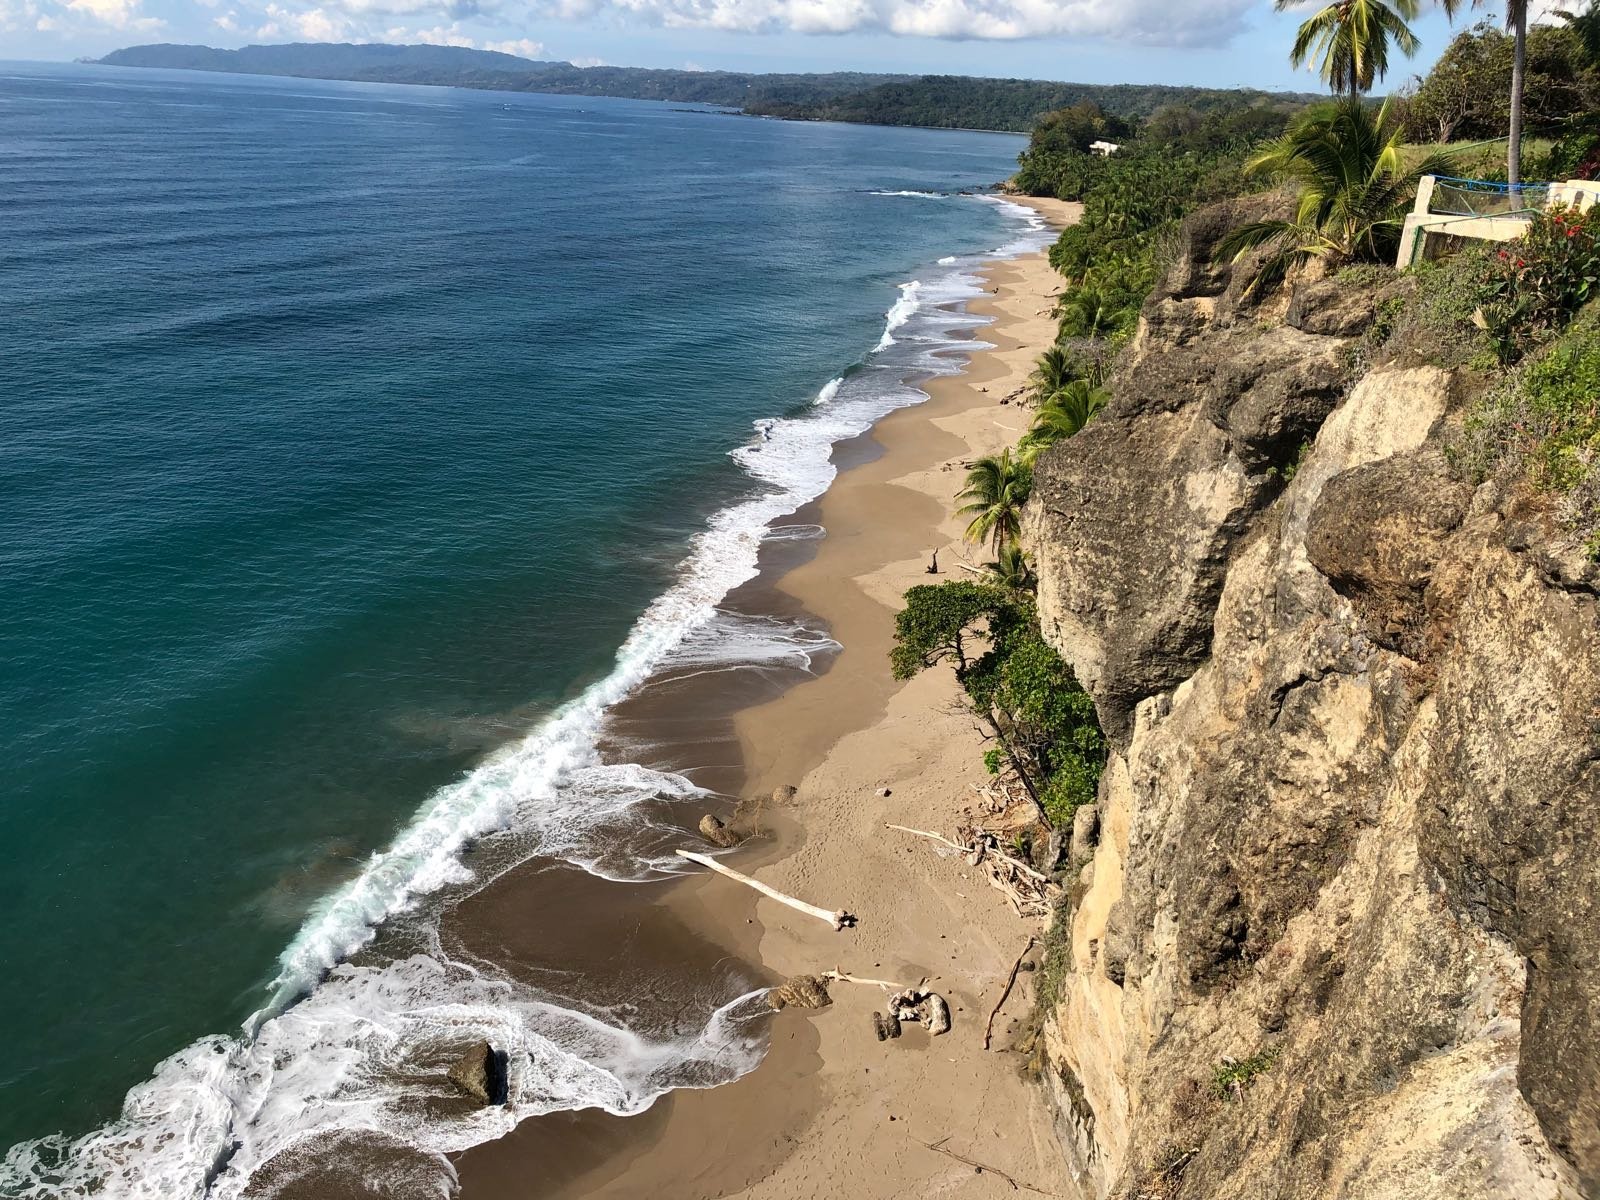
1350 40
1344 160
1011 569
1056 368
997 487
1586 25
1090 312
1517 23
1073 407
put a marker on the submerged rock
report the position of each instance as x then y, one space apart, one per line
481 1074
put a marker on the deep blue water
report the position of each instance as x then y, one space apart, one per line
345 431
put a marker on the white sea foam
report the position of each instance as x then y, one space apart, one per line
341 1047
900 312
917 195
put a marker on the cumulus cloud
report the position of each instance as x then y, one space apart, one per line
1138 22
304 25
1151 22
72 18
525 47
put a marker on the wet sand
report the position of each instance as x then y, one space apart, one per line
830 1111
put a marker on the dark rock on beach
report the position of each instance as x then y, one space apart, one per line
481 1073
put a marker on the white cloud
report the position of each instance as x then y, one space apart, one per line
439 35
1138 22
1150 22
526 47
79 15
306 25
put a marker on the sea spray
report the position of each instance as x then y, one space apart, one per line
339 1045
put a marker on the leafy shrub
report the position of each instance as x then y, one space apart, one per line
1018 685
1435 324
1230 1079
1544 277
1542 424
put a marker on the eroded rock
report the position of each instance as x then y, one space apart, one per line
481 1073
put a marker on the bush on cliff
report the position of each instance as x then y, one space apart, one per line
1541 425
1542 279
1019 687
1352 190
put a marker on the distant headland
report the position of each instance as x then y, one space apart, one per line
937 101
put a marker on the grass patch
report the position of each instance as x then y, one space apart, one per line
1055 964
1542 424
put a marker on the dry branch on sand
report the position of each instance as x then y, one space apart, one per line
839 919
1011 982
1016 1184
1029 892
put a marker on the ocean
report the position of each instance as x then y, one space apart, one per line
361 446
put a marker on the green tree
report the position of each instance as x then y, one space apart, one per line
1018 686
940 623
1092 311
1468 92
1011 569
1517 24
1073 407
1586 25
1350 39
1353 190
1057 367
997 488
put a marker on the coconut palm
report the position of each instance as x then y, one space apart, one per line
1090 312
997 487
1350 39
1056 368
1344 161
1073 407
1011 568
1517 23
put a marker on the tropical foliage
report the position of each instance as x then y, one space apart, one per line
1542 280
1350 40
1013 569
1353 187
1020 688
997 487
1063 415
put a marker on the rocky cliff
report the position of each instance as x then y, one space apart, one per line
1335 932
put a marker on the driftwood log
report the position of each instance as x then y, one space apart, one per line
839 919
1030 892
927 1009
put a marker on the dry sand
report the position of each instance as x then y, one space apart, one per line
832 1112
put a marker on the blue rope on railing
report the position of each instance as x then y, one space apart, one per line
1488 185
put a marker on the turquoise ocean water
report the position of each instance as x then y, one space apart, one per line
358 445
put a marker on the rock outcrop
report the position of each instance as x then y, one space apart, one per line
1334 927
481 1073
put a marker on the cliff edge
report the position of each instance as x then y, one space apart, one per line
1332 929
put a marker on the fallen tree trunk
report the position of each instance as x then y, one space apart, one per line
839 920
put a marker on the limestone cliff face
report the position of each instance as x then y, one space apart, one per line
1349 836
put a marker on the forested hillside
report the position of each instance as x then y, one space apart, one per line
943 101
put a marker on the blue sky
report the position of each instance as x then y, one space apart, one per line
1214 42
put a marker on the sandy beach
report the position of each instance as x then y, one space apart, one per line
831 1111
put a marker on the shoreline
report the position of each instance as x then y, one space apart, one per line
801 1122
